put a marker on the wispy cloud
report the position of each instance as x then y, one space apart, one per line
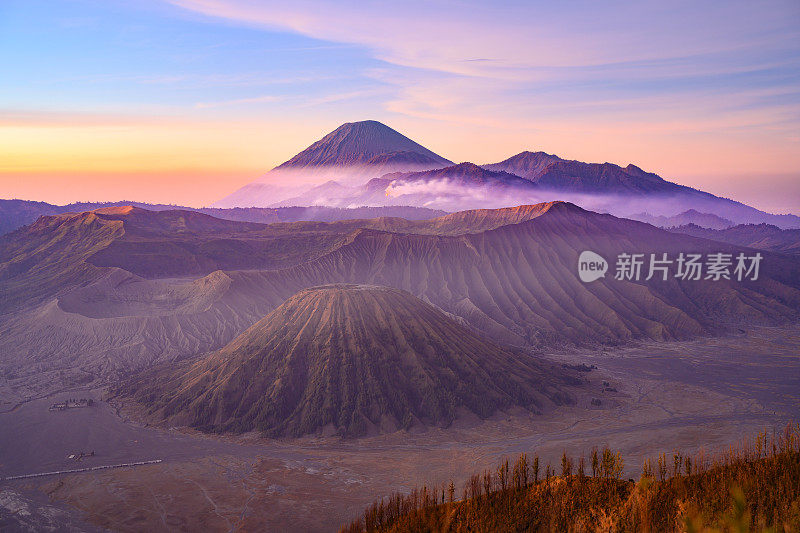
689 86
550 59
42 118
441 35
340 97
202 80
669 86
265 99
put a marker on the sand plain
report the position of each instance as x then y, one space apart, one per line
706 393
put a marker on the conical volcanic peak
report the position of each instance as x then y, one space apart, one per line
363 143
389 159
351 360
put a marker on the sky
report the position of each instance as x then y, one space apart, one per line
184 101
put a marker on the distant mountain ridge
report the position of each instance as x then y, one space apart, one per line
445 187
603 178
526 164
17 213
762 236
404 179
177 243
463 174
379 165
603 186
550 171
690 216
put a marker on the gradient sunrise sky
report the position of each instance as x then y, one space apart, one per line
184 101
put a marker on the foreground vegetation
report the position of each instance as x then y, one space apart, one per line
755 486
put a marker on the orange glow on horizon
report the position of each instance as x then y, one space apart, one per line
195 162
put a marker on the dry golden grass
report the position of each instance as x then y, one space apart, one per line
752 487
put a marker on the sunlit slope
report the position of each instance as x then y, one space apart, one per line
186 243
59 252
50 256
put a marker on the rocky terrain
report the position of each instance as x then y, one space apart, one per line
348 360
518 283
699 395
464 347
508 274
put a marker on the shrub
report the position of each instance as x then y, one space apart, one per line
755 486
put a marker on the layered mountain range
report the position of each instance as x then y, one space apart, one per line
96 295
369 164
690 216
370 308
550 171
762 236
361 167
17 213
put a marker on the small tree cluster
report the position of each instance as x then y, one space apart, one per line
754 486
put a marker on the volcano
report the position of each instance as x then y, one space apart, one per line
615 189
349 360
353 152
374 165
550 171
360 143
117 293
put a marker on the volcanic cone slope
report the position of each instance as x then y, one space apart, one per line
351 360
